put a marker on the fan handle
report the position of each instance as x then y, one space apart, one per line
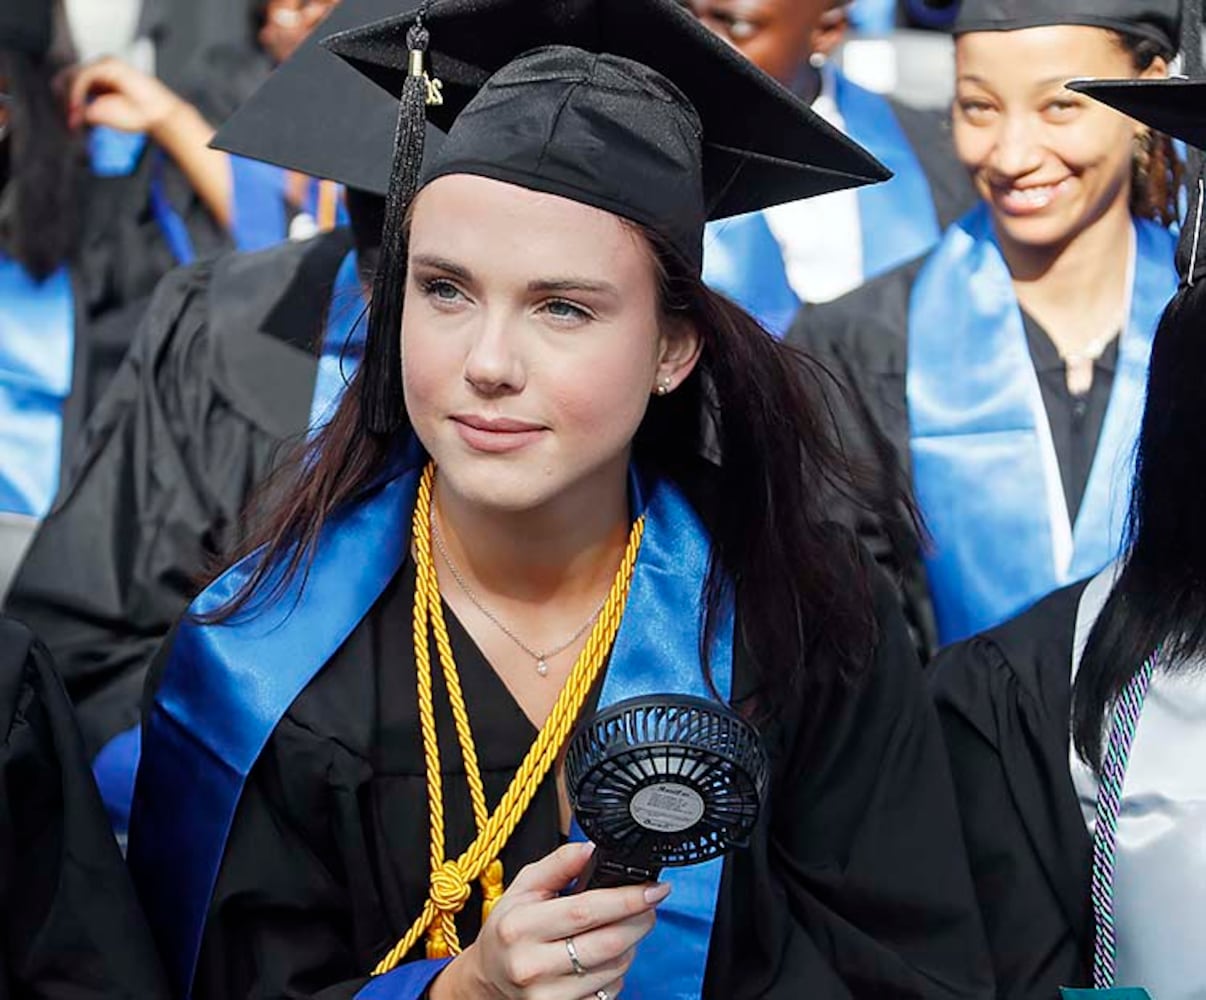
602 872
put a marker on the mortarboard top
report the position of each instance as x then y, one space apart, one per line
760 145
1175 106
631 106
1157 20
317 115
26 26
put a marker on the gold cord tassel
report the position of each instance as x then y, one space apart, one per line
451 878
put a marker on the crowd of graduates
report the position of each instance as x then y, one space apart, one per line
347 347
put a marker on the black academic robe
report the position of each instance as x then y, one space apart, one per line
929 134
862 340
71 924
1004 699
855 883
219 380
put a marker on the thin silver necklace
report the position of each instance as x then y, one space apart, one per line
541 658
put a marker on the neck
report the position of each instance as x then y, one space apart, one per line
807 83
1077 289
565 550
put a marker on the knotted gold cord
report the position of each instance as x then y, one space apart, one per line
450 879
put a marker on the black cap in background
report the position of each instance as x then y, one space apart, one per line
315 114
26 26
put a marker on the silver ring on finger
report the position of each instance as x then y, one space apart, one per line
579 968
602 995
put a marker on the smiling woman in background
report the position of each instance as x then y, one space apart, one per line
1006 368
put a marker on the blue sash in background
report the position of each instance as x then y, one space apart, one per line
225 688
259 208
984 468
37 347
898 220
743 259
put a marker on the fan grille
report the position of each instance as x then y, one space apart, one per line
687 748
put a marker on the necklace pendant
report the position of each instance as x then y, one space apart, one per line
542 668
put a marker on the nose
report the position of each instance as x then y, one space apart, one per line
493 366
1018 150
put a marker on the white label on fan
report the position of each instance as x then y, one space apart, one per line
667 808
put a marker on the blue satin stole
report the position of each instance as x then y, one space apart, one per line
743 259
225 688
1115 993
37 346
984 468
342 342
259 212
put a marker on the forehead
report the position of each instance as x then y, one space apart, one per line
511 230
1031 55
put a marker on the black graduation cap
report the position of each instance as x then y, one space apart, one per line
26 25
627 105
315 114
1157 20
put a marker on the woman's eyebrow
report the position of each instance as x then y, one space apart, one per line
570 284
442 264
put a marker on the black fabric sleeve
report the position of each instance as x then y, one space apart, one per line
282 921
71 924
860 341
1016 816
871 849
160 474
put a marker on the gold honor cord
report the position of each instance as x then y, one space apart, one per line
451 878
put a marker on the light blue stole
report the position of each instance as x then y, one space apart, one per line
226 687
985 473
743 259
37 347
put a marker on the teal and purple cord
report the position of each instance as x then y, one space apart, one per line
1127 710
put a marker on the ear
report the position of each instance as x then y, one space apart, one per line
679 350
1158 70
830 31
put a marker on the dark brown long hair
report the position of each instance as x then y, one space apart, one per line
756 407
41 196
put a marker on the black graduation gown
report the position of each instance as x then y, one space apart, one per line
72 927
1004 699
862 340
929 134
220 377
855 884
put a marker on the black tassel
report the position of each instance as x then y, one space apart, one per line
381 388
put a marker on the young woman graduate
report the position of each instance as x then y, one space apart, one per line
1006 368
235 358
815 250
351 745
1076 732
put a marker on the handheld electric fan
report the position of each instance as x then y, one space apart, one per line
663 781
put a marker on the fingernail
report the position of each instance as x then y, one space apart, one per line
656 893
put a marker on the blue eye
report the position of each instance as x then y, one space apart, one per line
441 290
562 310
